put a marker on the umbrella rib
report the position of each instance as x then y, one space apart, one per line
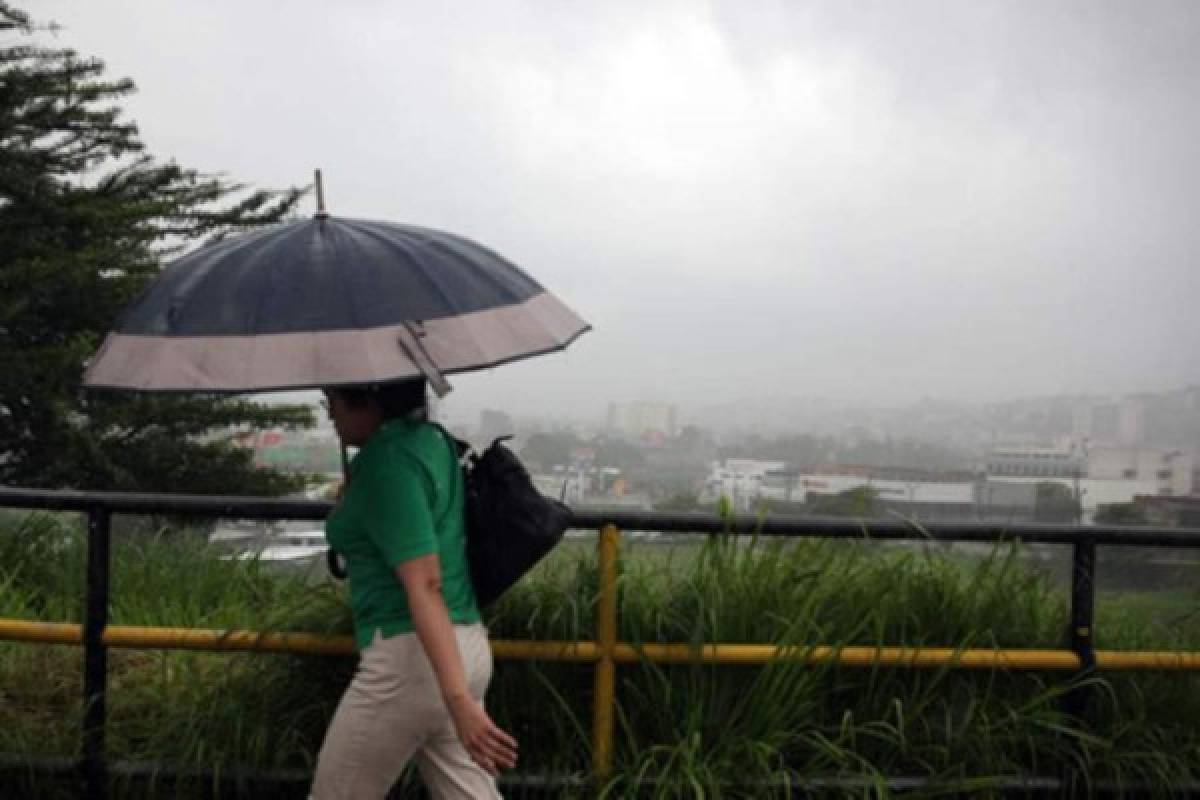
445 246
426 276
269 279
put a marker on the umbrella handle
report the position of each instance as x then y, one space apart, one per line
409 339
321 212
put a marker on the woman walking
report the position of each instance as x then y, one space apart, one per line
424 660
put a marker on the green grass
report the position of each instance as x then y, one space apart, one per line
683 731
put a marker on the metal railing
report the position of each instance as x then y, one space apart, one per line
96 636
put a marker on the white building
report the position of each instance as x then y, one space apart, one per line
1101 474
746 482
739 479
898 491
1064 458
1173 471
635 420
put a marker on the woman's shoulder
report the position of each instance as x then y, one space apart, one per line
421 435
405 441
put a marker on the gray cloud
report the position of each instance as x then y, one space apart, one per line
868 200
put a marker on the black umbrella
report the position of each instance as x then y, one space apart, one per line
330 301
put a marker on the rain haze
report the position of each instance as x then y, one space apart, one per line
866 202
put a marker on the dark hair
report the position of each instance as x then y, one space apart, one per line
395 399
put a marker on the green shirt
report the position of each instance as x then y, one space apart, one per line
404 500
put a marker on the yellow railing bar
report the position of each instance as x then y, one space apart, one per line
1129 660
517 650
154 638
20 630
604 693
850 656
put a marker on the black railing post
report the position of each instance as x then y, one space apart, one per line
95 655
1083 618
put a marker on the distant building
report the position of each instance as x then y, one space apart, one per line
1100 474
739 479
637 420
1111 422
1173 471
918 494
1063 459
932 497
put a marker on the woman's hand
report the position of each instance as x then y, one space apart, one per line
490 747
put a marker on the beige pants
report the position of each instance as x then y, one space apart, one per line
393 711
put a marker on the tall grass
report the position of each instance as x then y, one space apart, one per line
683 730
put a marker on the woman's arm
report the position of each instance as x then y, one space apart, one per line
491 747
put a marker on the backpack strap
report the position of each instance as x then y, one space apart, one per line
464 453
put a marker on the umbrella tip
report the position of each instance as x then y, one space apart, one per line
320 184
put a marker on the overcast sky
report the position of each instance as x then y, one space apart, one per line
871 202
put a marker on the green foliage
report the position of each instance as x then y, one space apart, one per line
861 501
546 450
684 730
317 457
214 710
1121 514
1055 502
86 220
616 453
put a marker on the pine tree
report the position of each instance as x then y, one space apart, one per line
87 219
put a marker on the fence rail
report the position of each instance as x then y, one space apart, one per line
96 636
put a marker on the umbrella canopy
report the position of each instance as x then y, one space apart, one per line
329 301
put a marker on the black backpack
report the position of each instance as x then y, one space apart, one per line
510 524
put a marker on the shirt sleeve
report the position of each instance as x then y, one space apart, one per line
399 509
